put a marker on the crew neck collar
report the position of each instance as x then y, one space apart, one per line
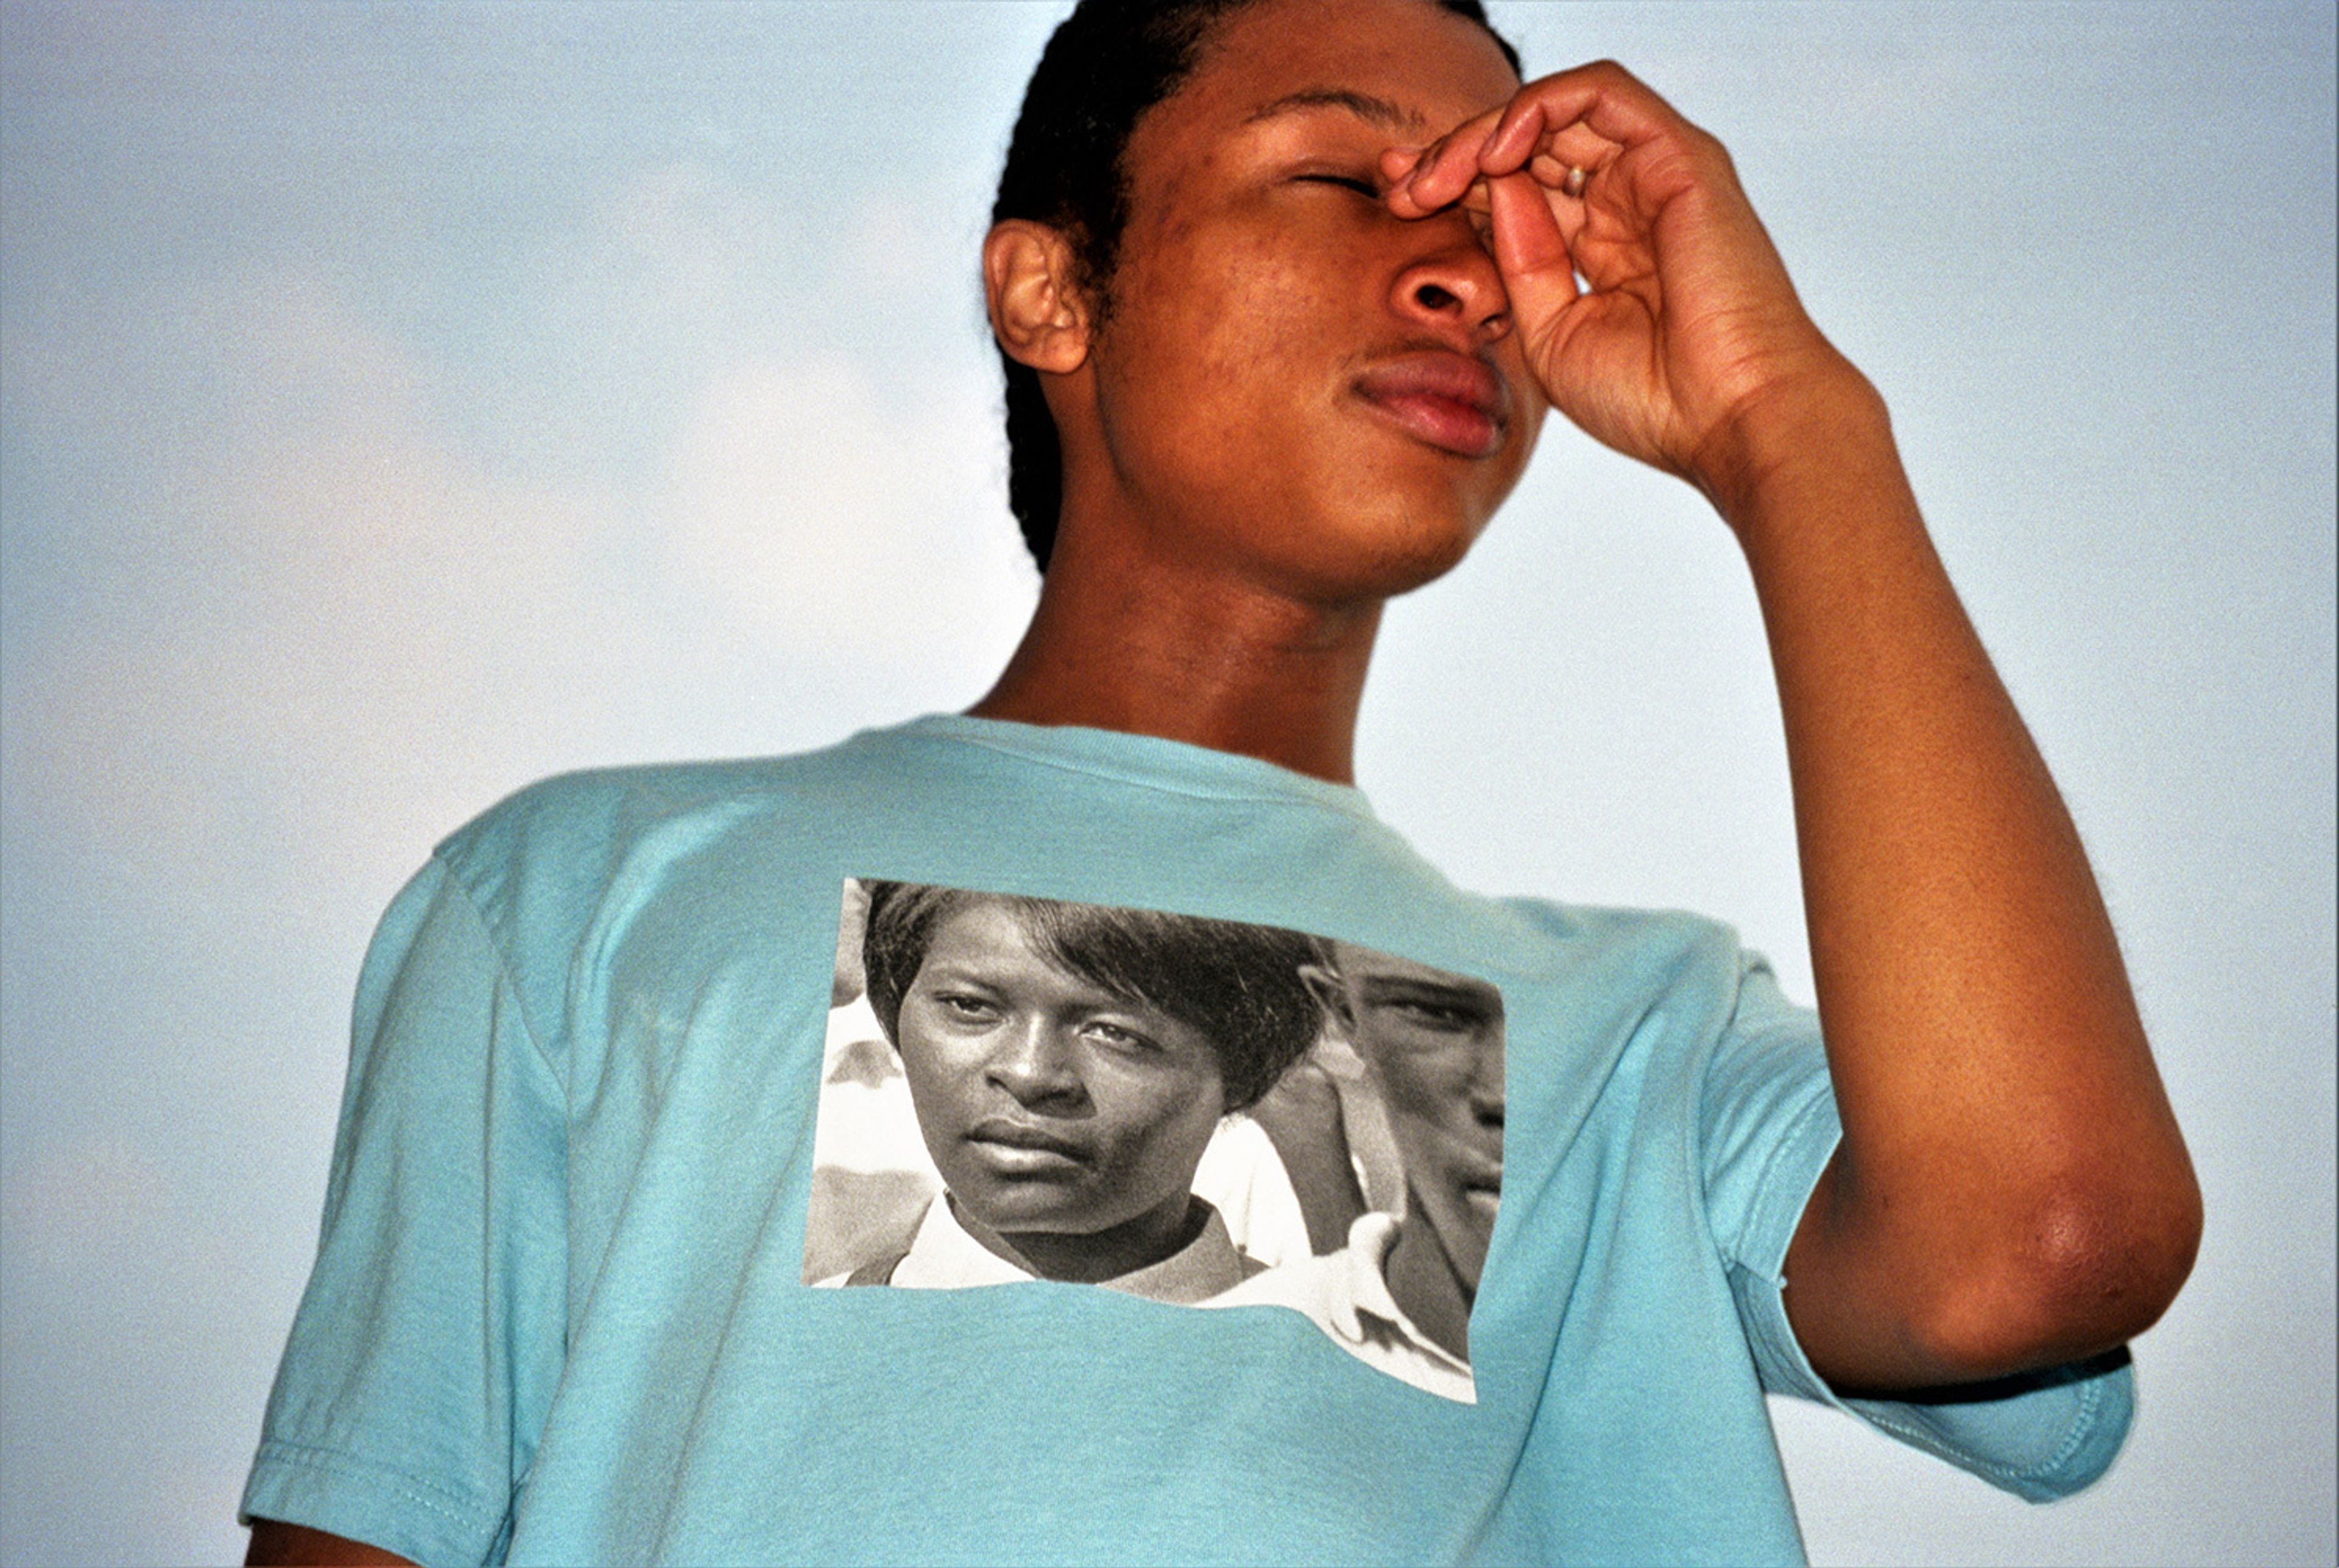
1147 760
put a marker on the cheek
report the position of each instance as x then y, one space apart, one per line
1150 1115
1226 325
1422 1087
935 1064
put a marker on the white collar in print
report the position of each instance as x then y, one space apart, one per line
1366 1313
943 1256
1347 1295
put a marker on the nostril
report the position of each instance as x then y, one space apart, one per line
1434 296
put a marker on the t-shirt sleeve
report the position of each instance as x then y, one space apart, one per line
1768 1127
424 1355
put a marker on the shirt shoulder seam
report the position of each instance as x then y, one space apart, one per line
506 983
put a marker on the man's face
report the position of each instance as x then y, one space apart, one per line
1434 1042
1286 371
1049 1105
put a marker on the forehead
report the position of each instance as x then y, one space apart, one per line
980 929
1368 970
1409 66
988 939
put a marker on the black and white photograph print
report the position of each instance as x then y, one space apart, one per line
1199 1112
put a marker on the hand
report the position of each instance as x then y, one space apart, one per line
1689 331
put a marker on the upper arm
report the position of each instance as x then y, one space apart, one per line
1920 1287
276 1544
420 1369
1772 1167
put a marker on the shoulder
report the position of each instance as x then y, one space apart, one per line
1614 961
1329 1287
561 844
1656 935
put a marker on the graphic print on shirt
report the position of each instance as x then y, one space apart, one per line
1199 1112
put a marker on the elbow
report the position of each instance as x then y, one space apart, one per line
2096 1265
2105 1267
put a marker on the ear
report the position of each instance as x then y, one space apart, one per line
1330 993
1031 285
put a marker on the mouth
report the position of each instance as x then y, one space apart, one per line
1478 1179
1448 400
1020 1148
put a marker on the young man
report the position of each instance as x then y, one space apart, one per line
1286 287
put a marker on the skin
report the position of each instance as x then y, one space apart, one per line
2012 1191
1434 1044
1235 512
1066 1121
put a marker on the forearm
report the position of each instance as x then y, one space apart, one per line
2011 1190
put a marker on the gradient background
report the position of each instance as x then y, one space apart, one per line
402 402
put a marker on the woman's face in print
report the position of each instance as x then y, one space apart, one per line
1049 1104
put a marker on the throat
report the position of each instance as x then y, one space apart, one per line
1093 1258
1212 665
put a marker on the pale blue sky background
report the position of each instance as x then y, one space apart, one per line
399 403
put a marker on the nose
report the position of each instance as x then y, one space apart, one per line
1037 1065
1487 1089
1455 284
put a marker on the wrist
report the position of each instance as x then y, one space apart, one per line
1816 426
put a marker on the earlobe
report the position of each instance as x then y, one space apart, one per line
1037 311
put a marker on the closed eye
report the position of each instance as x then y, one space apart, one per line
1362 187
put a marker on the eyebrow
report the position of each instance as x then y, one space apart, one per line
1483 1002
1380 111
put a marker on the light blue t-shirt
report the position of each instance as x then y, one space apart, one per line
559 1313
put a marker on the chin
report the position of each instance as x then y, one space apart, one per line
1408 526
1400 551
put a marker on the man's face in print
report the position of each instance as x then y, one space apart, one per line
1433 1044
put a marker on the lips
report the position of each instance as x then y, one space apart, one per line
1019 1144
1448 400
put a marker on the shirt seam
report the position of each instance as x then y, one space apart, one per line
2082 1425
455 1507
1766 1182
506 981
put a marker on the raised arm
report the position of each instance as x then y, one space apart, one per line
2011 1191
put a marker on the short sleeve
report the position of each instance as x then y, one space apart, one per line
427 1347
1767 1125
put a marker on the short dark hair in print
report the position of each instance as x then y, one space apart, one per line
1238 985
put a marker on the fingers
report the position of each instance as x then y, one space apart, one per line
1603 99
1441 171
1584 119
1530 248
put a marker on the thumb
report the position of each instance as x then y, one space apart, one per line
1529 252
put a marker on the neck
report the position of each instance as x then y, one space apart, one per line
1093 1256
1422 1281
1162 649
